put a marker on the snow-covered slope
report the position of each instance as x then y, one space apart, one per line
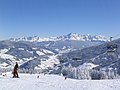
62 46
54 82
25 53
95 57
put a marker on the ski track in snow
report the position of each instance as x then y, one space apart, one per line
55 82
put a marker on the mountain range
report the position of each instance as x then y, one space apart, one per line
70 36
55 52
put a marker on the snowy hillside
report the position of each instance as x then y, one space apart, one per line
26 54
66 46
95 57
54 82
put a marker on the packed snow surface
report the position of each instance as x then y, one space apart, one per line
54 82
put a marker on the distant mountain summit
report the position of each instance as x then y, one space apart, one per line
70 36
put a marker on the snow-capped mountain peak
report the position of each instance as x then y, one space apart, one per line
88 37
70 36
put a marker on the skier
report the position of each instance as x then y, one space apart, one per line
65 77
15 71
38 76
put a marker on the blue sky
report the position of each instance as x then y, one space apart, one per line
47 18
